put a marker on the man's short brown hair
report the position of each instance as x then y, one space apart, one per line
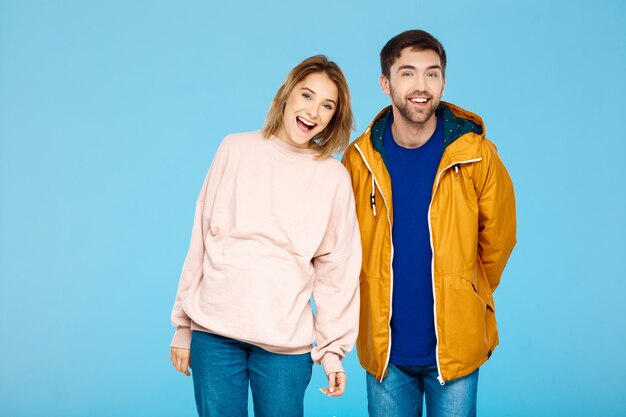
417 40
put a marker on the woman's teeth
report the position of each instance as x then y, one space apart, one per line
305 123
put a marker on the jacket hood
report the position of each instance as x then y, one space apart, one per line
457 122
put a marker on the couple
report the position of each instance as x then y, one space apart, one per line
416 227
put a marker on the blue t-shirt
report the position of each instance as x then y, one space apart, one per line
412 171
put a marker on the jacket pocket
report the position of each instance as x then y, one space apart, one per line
467 323
481 288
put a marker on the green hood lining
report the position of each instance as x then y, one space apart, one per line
454 127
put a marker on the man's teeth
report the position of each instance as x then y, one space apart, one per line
419 100
306 122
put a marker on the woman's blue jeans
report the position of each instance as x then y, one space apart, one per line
223 368
402 392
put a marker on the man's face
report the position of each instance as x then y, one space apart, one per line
415 84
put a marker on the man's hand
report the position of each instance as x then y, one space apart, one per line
336 384
180 360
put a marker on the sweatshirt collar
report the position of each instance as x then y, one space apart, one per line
275 140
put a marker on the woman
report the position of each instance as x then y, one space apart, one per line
275 224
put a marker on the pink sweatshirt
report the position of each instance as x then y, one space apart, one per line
273 226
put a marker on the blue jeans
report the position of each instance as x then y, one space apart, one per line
401 394
222 368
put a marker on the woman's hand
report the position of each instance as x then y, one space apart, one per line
180 360
336 384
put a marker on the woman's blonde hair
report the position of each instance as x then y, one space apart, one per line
336 136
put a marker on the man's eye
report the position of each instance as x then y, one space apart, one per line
407 74
433 75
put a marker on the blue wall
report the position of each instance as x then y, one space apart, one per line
109 116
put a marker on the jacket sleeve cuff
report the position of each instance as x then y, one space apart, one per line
331 363
182 338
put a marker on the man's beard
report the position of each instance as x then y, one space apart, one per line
413 115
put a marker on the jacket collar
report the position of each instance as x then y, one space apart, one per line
462 129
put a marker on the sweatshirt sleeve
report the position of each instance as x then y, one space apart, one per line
193 266
336 287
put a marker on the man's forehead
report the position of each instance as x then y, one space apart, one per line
417 57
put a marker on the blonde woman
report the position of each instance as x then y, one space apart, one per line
275 224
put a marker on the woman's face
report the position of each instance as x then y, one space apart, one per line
309 108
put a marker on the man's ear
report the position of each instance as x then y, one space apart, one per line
384 84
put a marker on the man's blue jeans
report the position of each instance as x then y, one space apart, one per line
222 368
401 394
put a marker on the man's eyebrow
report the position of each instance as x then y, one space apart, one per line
411 67
313 92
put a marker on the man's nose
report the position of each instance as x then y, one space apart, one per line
420 84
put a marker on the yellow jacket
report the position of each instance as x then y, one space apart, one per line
472 233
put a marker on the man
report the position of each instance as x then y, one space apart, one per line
437 216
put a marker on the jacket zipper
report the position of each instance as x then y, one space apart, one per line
390 258
432 266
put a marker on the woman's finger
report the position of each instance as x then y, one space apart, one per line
331 382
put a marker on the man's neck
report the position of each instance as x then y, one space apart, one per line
412 135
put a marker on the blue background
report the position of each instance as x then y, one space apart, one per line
110 113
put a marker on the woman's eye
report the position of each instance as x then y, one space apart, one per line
307 96
328 106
